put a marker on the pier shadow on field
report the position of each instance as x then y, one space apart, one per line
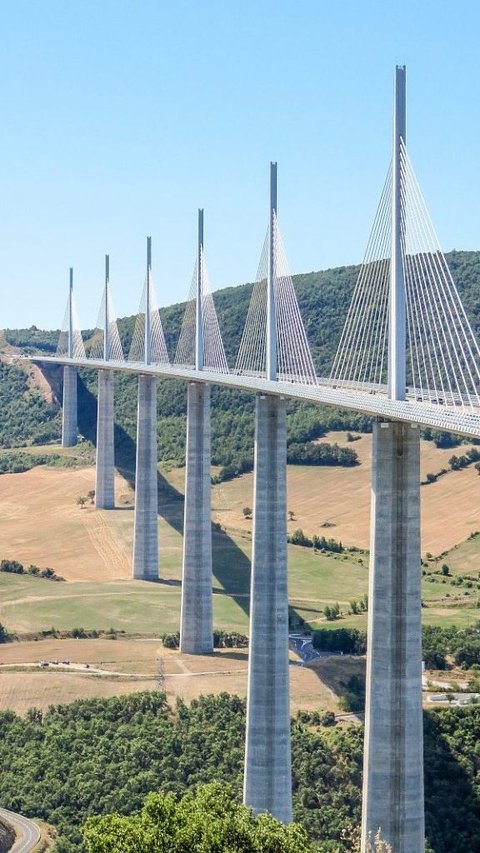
231 566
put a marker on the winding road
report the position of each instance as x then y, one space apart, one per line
27 834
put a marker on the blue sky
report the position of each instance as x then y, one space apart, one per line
119 119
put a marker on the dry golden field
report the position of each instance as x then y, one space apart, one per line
128 665
341 497
41 523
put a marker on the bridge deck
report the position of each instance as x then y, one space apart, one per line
374 403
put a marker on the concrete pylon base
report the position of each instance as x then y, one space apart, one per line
196 625
105 467
268 782
69 407
393 756
145 535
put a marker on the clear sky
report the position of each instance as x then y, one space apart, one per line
119 118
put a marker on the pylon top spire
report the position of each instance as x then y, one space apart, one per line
199 341
106 319
148 328
271 355
70 314
397 374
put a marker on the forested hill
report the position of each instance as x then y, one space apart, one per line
98 756
323 297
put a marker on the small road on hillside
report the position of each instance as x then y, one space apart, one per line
27 834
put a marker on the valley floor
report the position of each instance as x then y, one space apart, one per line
42 523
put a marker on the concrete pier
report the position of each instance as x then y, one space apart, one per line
69 407
145 537
105 468
196 626
393 756
268 782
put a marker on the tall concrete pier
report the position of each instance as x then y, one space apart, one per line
145 535
393 757
69 407
105 467
268 779
268 783
196 626
196 621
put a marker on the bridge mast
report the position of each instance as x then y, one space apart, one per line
397 337
148 325
145 532
196 619
199 344
393 754
268 777
271 366
106 324
70 315
105 461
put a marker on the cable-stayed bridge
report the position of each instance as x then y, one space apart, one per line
407 356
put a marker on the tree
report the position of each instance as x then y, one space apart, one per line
4 635
332 612
454 462
377 844
81 501
91 495
209 819
291 515
247 511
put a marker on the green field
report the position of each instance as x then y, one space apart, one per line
31 604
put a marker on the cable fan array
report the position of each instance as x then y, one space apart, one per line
294 360
158 348
442 354
214 357
111 349
361 357
78 347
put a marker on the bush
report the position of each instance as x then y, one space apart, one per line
350 641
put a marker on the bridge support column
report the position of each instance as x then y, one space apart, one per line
268 782
145 537
105 467
69 407
393 756
196 625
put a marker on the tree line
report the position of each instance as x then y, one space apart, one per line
104 756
